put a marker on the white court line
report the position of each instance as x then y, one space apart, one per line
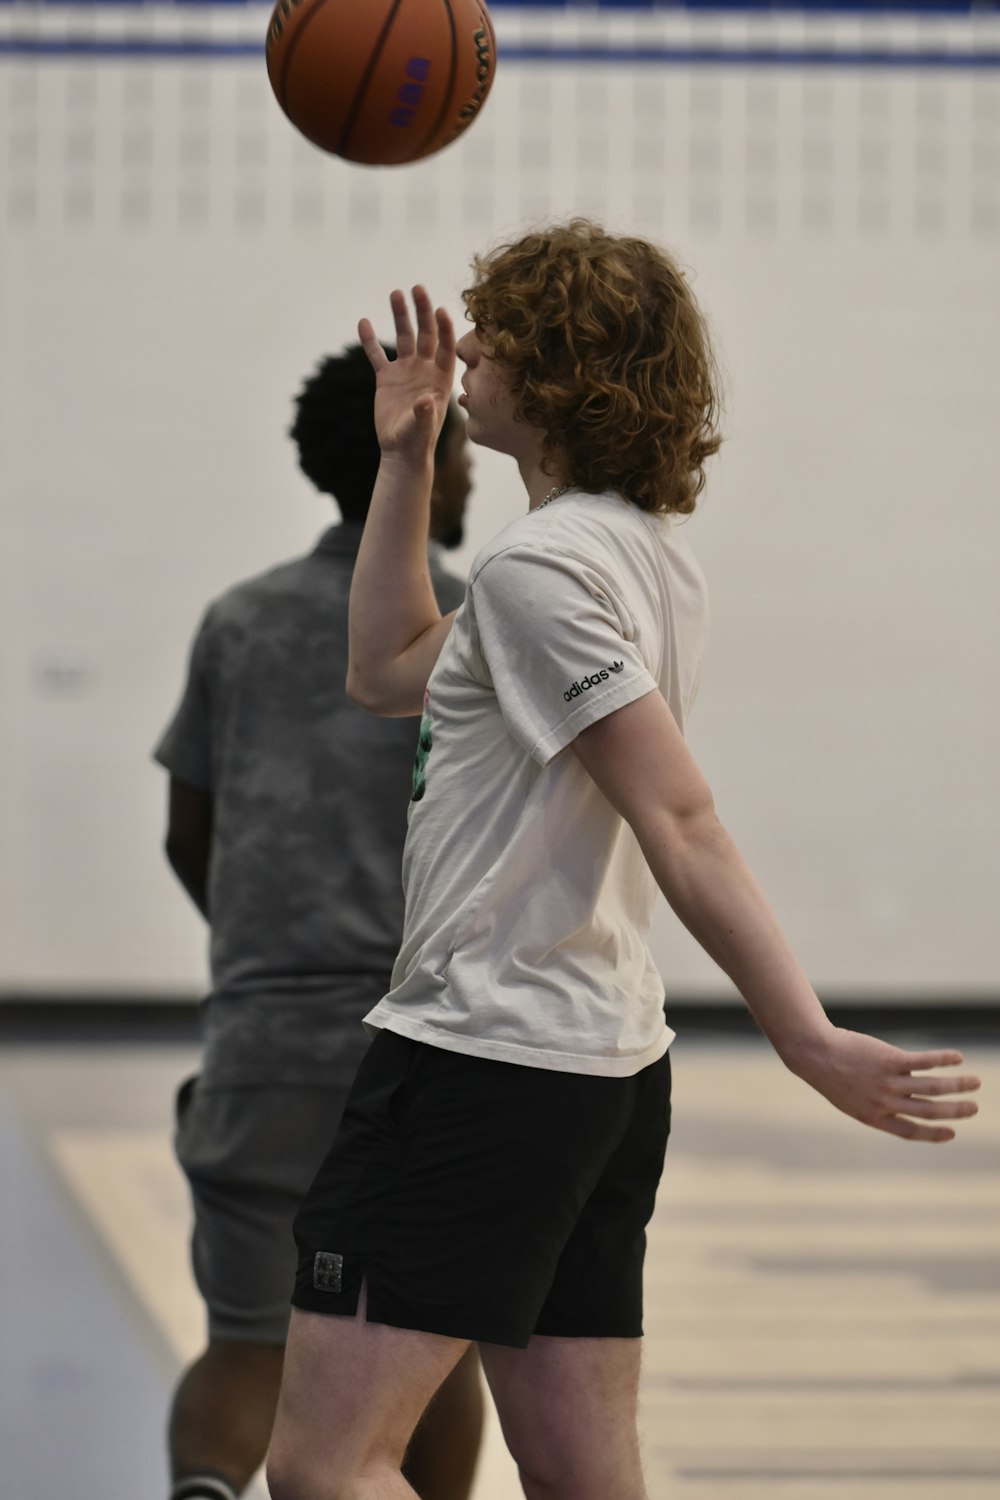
132 1191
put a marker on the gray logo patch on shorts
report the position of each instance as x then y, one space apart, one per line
327 1271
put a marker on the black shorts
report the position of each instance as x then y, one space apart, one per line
486 1200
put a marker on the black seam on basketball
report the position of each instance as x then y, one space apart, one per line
451 80
489 25
292 48
353 112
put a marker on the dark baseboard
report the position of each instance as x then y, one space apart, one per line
945 1019
108 1020
98 1018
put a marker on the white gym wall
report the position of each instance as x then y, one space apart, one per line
174 259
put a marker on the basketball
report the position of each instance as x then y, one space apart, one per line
381 82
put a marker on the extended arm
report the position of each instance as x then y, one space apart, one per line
189 839
638 758
396 630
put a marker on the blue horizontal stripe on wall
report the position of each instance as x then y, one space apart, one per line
751 57
907 8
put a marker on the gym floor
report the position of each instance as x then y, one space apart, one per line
823 1302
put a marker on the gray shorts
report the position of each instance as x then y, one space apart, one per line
250 1154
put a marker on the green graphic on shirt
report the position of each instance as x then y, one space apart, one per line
424 746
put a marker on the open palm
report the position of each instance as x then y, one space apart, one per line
412 391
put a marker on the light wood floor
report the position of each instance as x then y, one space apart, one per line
823 1303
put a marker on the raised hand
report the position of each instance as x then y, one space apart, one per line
887 1087
412 391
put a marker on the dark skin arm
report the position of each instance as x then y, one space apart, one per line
188 843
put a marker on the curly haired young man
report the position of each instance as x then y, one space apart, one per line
500 1153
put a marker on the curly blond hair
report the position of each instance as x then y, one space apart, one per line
608 354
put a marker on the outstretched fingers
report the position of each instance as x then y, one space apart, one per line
910 1130
935 1109
405 340
932 1085
912 1062
446 340
434 337
917 1078
917 1097
427 334
435 331
377 356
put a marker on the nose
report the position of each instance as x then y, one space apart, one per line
465 348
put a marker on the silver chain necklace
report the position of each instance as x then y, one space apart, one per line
554 493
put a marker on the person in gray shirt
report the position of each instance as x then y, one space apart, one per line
287 818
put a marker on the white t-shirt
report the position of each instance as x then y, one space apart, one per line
528 900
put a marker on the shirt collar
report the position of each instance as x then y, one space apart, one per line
343 539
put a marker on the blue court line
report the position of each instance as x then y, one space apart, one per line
167 49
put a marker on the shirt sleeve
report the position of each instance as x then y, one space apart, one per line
185 747
558 642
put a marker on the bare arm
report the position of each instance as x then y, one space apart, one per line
638 758
189 839
396 630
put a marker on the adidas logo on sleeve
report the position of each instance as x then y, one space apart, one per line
594 680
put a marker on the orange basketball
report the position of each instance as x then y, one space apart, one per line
381 81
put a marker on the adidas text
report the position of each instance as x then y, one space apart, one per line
594 680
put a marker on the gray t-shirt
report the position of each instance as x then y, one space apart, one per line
310 798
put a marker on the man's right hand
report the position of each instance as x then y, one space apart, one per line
412 391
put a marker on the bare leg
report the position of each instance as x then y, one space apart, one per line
441 1459
568 1412
352 1395
223 1409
